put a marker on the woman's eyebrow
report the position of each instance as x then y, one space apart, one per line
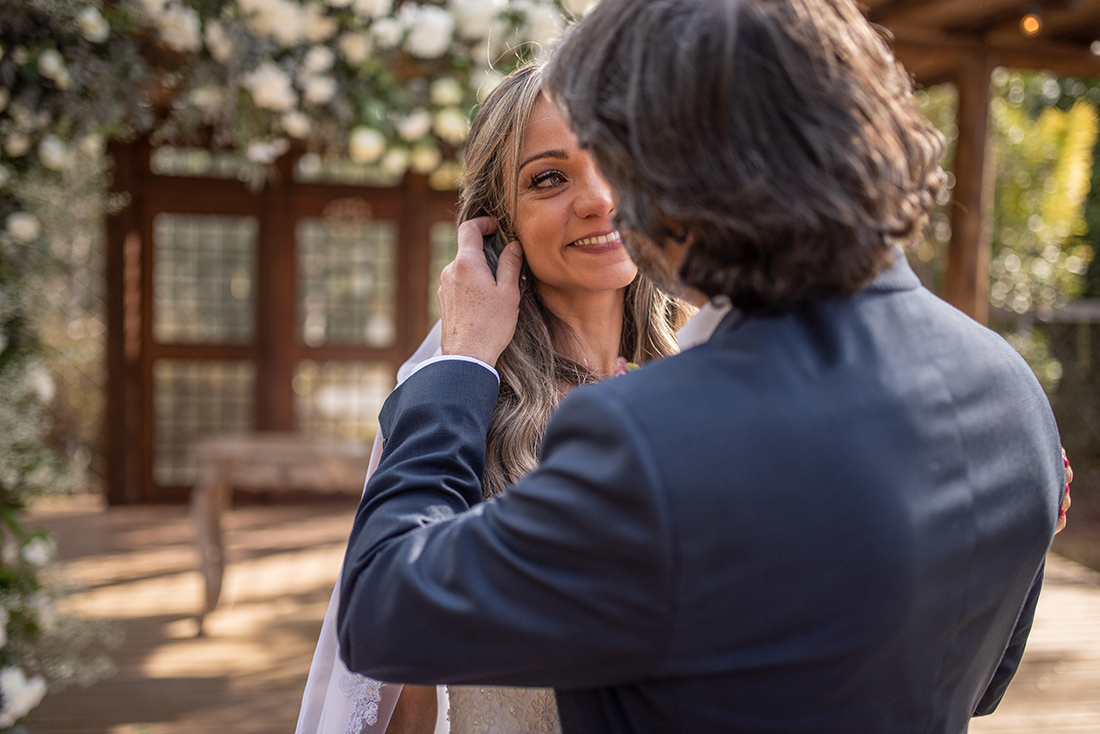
557 153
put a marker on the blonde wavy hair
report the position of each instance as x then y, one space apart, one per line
534 371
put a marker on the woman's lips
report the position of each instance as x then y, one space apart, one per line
597 244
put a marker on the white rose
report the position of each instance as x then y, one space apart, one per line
387 32
153 8
446 177
51 64
296 124
208 99
483 82
38 551
17 145
474 18
544 24
64 80
41 383
54 154
415 126
260 151
19 693
577 8
430 32
395 162
356 47
372 8
366 144
338 3
320 89
318 26
310 166
319 59
23 226
446 92
280 20
93 26
450 125
92 144
180 28
425 159
270 88
218 42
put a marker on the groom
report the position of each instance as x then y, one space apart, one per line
829 517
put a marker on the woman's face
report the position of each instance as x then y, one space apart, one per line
563 213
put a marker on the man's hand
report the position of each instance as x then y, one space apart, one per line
479 312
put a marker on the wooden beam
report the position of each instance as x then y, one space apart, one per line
966 279
927 54
944 13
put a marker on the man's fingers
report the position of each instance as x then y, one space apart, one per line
508 265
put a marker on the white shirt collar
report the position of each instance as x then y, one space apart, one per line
700 327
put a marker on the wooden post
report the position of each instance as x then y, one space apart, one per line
966 280
276 303
413 261
123 415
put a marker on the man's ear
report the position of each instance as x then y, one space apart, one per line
676 247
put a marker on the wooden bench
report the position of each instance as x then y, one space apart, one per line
269 461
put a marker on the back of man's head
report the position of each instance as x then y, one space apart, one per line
781 136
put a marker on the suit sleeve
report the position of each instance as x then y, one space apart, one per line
570 564
1010 661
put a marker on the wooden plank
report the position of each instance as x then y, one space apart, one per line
966 279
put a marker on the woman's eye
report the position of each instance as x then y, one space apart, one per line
547 179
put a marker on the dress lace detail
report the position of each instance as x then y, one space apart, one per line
365 693
476 710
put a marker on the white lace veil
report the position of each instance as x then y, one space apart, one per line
337 701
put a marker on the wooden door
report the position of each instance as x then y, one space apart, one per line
235 307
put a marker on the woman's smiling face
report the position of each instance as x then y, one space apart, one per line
564 211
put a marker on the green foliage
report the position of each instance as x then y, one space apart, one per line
1043 164
1046 207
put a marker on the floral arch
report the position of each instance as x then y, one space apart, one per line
387 84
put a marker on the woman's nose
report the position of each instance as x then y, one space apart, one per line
594 197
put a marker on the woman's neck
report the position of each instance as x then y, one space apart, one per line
595 326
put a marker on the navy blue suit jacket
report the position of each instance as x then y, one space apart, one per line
832 519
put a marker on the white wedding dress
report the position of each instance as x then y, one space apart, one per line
337 701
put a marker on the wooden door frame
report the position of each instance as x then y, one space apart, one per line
131 349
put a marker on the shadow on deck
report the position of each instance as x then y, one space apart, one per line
136 566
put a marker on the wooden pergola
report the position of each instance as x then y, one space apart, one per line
961 42
260 378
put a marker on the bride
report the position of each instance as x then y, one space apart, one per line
584 313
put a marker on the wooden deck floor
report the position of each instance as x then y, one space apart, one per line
136 565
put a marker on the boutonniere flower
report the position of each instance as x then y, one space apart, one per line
622 366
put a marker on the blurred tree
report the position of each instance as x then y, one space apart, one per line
1044 132
1042 156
